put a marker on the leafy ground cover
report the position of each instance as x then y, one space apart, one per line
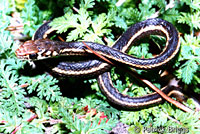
33 101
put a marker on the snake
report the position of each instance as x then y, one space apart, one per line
40 48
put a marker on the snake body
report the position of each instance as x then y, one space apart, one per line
40 48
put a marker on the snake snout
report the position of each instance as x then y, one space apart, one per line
26 49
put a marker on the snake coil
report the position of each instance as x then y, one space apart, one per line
41 48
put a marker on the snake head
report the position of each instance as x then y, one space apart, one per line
33 50
28 50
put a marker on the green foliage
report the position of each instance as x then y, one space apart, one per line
141 51
80 121
9 89
191 18
77 126
84 27
32 17
190 49
5 10
23 95
48 91
163 116
6 44
11 120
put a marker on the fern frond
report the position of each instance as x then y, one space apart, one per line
12 96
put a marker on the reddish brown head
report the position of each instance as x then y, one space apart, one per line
35 50
27 51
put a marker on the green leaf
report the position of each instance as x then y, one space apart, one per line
194 4
41 107
161 119
10 119
188 70
99 25
85 4
191 19
33 17
12 97
146 9
6 44
140 51
171 15
45 87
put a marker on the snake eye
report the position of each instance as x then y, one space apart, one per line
33 56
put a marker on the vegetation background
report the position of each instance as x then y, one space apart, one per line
33 101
